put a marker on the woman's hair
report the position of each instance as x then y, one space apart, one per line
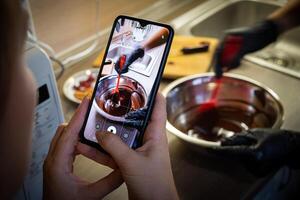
13 22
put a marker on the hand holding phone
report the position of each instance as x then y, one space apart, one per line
59 180
152 158
146 167
122 101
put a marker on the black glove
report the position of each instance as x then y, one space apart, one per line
240 41
136 118
264 150
138 52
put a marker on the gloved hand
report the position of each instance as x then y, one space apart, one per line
138 52
264 150
240 41
136 118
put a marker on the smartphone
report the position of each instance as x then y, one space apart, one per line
128 80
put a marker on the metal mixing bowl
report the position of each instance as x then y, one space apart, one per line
241 104
108 83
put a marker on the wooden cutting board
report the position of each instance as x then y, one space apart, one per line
98 60
179 65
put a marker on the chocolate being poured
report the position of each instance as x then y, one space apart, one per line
119 104
123 98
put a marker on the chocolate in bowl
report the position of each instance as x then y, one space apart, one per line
241 104
120 103
115 106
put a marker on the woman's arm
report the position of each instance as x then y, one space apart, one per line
288 16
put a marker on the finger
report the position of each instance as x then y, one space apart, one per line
159 113
56 137
156 127
115 147
106 185
96 155
66 146
76 122
70 136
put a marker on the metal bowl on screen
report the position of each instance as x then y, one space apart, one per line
202 110
115 105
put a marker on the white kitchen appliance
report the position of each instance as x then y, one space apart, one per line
48 115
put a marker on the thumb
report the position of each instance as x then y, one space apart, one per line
113 144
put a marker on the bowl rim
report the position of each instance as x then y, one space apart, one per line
204 143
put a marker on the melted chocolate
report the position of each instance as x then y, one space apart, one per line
204 120
121 102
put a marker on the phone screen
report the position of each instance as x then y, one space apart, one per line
128 79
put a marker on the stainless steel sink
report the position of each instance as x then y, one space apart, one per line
212 18
231 15
283 56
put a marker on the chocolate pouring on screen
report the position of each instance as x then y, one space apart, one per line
121 64
120 101
116 104
129 95
127 85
